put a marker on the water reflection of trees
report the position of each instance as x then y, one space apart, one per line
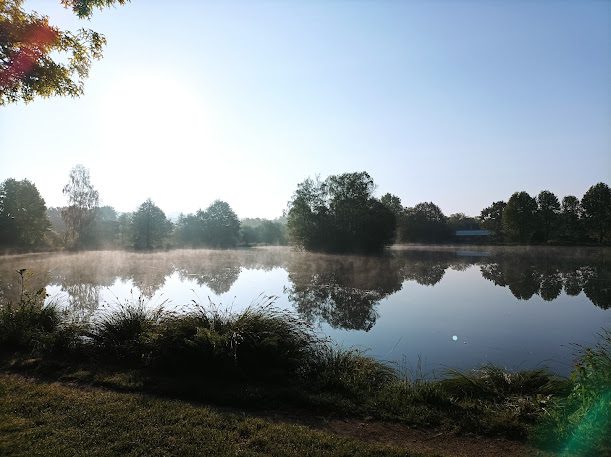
547 277
82 276
341 291
344 291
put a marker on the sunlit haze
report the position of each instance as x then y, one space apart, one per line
459 103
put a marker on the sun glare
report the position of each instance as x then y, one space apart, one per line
151 113
151 126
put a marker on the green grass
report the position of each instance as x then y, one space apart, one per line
57 420
580 423
267 358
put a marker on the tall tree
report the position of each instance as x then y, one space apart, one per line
82 203
570 217
23 214
520 217
339 214
150 227
425 222
549 210
491 218
308 215
393 203
596 204
220 225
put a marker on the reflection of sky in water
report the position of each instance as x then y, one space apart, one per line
413 326
491 326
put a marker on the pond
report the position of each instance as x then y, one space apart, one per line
425 309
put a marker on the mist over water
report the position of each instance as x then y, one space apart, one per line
425 309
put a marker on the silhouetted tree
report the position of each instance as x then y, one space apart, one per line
150 227
393 203
23 214
491 218
425 222
549 210
339 214
570 218
596 204
82 202
520 217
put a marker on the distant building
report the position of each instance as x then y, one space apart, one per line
472 236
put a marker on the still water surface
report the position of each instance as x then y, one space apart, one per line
426 309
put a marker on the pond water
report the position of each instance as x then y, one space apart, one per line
426 309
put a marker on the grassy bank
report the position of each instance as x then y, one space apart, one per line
56 420
266 358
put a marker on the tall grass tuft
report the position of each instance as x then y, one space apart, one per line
348 372
261 342
124 333
496 384
580 423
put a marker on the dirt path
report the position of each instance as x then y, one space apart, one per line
435 442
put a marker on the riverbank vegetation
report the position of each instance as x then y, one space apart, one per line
338 214
267 358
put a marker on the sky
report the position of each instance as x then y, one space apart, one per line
459 103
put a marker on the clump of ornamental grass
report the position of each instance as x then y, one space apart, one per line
579 423
124 332
261 342
348 372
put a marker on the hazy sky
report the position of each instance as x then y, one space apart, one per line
459 103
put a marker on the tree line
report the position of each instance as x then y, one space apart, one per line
26 222
337 214
522 219
341 214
